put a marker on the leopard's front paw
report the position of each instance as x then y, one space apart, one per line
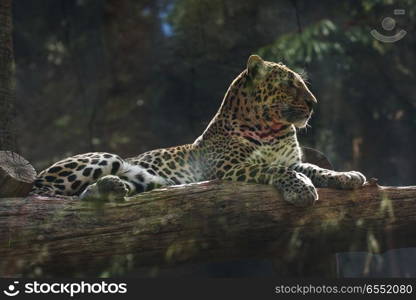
346 180
112 188
299 191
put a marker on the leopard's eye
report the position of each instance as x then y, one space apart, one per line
292 86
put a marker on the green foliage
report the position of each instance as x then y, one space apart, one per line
313 43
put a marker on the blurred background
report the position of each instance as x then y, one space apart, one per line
133 75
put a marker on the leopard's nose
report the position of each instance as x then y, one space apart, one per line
310 100
309 97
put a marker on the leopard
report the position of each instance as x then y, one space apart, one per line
252 138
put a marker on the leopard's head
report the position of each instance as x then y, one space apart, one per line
278 94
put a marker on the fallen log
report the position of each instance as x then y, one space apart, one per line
208 221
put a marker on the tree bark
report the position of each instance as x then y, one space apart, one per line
201 222
7 138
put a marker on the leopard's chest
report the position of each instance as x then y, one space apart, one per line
282 154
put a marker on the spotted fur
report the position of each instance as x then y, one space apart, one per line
252 138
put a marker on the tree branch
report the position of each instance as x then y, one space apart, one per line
200 222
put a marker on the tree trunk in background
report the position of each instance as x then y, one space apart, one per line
7 139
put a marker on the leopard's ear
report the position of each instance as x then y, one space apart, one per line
255 66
